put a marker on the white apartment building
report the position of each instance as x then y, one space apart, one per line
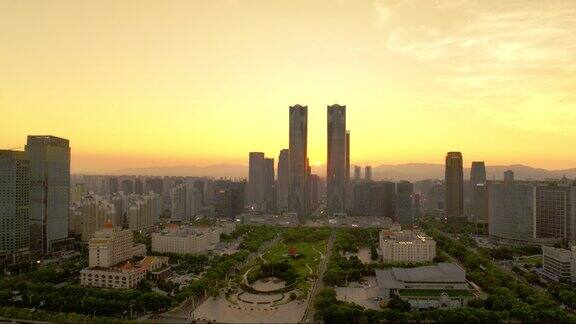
406 246
185 239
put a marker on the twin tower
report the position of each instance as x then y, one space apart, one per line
338 161
296 189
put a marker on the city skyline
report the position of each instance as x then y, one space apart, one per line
145 87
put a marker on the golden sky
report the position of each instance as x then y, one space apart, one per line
159 83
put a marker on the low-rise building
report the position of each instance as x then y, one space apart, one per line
407 246
123 276
185 239
559 265
438 286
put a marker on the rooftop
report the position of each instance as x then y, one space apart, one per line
443 272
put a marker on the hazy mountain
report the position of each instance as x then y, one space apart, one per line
217 171
406 171
419 171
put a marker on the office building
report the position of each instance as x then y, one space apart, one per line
298 142
555 211
256 179
49 191
336 179
406 246
511 210
269 205
283 183
403 204
14 207
454 180
229 198
374 198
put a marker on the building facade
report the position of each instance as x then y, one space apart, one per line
49 191
14 207
406 246
298 142
336 179
454 181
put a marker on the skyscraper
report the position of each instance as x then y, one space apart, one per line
256 179
511 210
269 205
454 179
477 172
49 191
298 141
14 207
283 184
404 212
368 173
478 192
348 186
336 167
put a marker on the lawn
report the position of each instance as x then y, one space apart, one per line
310 255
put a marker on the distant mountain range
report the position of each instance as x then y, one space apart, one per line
407 171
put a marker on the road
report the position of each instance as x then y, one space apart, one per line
319 283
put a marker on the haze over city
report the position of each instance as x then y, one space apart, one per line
158 84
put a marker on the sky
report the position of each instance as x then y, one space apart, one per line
163 83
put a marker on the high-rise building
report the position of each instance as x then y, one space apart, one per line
555 211
128 186
110 246
269 205
89 216
336 179
199 186
509 175
374 198
186 202
454 179
49 191
404 206
113 185
298 141
256 179
229 198
283 184
154 184
138 186
357 173
14 207
314 191
368 173
477 193
511 210
477 172
348 186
